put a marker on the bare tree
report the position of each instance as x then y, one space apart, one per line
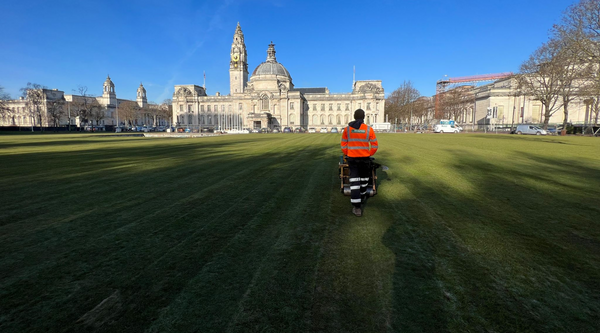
86 106
399 103
153 110
56 110
34 94
455 102
166 111
129 111
97 112
579 30
540 77
5 111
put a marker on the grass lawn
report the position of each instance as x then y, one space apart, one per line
249 233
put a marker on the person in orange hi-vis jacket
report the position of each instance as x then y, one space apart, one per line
359 143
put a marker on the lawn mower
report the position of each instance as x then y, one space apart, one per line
345 176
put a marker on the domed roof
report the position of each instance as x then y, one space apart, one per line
271 66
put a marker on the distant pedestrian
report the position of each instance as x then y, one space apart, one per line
359 143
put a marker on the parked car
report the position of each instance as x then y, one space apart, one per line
554 130
287 130
323 130
334 130
446 128
312 130
275 130
255 130
530 129
299 130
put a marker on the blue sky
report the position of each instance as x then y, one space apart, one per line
64 44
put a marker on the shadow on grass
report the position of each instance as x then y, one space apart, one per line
519 252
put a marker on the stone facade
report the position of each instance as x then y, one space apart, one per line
507 107
270 99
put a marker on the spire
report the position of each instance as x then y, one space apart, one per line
271 53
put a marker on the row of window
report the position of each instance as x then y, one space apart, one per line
209 108
264 105
18 120
339 106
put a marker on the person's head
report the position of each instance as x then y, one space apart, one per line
359 114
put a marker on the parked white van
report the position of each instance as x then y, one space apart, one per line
446 126
530 129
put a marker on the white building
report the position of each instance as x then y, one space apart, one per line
269 99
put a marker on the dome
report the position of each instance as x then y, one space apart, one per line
271 66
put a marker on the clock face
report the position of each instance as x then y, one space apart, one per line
235 57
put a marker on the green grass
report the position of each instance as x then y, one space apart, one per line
249 233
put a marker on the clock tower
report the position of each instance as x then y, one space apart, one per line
238 63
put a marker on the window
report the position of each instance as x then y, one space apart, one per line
346 119
315 119
216 109
201 108
330 106
330 119
189 107
291 105
208 108
338 120
322 119
339 106
223 108
347 107
377 106
229 108
292 119
314 107
322 107
181 107
368 105
265 103
189 118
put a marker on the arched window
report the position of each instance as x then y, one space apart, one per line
338 119
346 119
323 119
292 119
264 105
315 119
330 119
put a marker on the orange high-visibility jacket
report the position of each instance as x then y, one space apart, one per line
356 142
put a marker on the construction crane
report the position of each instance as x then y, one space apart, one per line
441 85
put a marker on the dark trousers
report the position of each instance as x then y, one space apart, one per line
360 171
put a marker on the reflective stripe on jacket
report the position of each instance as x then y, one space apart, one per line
359 142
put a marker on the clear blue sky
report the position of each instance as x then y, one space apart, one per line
63 44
